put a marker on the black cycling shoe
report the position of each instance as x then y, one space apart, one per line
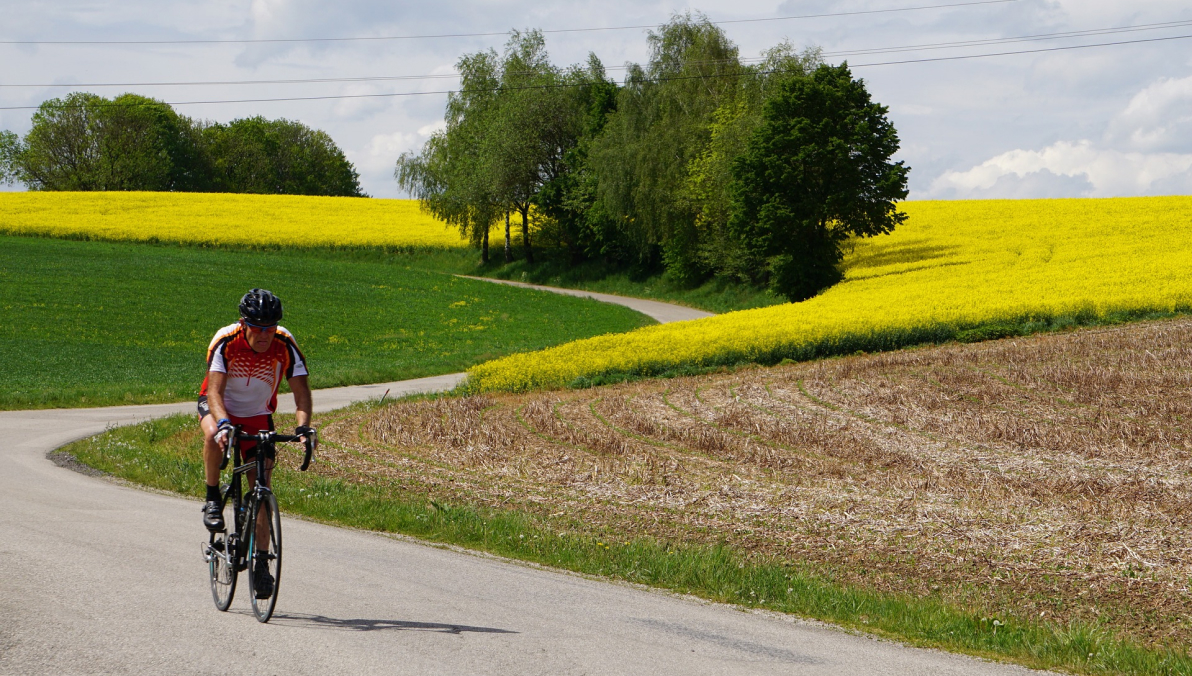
262 581
213 516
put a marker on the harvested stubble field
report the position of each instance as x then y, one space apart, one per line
1045 477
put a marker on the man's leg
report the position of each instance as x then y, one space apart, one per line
212 457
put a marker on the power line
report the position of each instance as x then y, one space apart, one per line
666 79
1022 38
437 76
1023 51
489 34
315 80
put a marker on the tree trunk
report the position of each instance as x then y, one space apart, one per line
484 247
526 234
508 251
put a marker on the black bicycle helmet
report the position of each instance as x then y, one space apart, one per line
260 307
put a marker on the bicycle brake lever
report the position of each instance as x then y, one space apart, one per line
312 442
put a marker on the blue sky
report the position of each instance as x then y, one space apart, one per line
1106 121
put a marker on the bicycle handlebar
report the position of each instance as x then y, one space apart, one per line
312 442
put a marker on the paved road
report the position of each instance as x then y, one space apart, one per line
662 312
99 578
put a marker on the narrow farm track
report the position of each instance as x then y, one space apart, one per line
663 313
103 578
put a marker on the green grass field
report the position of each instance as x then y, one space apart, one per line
95 323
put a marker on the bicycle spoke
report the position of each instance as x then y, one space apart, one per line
220 571
265 566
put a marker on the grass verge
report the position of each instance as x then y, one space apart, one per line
164 454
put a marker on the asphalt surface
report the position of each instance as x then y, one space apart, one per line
662 312
101 578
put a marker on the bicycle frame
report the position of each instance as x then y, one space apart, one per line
236 555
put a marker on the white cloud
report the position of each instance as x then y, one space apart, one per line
382 151
1146 149
427 130
1157 118
364 104
1105 172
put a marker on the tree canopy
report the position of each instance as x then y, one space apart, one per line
700 164
87 142
815 172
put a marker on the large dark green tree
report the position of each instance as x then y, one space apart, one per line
817 171
278 157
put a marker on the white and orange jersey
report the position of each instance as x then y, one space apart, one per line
253 377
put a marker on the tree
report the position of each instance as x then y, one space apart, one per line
451 177
508 133
707 193
278 157
86 142
567 200
534 122
661 124
816 172
10 149
61 151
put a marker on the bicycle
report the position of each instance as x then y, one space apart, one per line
229 553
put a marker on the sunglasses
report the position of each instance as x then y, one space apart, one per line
271 327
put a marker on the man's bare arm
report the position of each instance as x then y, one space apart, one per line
300 386
216 382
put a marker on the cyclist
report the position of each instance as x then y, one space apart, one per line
245 364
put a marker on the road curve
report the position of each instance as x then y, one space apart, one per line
663 313
102 578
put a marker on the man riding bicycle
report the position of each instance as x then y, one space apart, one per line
245 364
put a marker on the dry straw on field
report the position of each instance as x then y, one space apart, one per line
1042 477
221 219
952 266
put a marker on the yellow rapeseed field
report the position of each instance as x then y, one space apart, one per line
953 266
202 218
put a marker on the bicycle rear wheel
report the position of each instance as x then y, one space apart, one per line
270 554
223 574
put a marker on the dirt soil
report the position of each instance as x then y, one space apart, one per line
1046 477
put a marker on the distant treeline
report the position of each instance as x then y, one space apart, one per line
700 164
88 142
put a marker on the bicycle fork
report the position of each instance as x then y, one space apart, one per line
229 547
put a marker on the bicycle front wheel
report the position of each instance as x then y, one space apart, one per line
222 573
264 571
